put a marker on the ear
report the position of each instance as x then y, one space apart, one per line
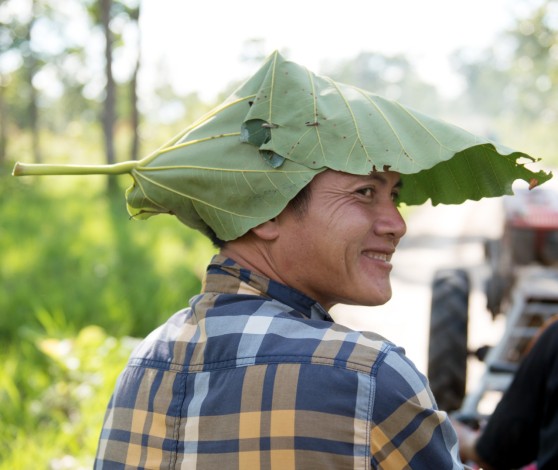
267 231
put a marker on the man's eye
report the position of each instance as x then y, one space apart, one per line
368 192
395 196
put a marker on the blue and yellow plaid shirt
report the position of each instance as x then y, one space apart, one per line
255 375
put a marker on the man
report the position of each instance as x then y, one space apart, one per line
256 374
524 426
297 178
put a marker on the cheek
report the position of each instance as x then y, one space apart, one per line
297 251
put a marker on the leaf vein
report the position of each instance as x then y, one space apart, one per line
353 117
179 193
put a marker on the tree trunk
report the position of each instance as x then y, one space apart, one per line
32 107
109 105
134 112
34 117
3 123
135 116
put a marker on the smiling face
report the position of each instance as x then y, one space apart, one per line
339 249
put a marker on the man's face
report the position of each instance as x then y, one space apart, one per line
339 250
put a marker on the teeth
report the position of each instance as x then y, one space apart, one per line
378 256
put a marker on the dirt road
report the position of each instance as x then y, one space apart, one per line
437 237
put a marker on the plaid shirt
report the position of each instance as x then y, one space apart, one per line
256 375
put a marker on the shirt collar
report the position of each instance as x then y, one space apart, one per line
224 275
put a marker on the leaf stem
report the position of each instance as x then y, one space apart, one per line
28 169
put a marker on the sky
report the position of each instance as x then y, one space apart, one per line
198 45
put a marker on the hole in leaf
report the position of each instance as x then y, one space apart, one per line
271 158
253 132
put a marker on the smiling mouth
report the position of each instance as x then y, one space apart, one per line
378 256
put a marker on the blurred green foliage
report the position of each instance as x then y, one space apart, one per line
54 394
77 278
76 253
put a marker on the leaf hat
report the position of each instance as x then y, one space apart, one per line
240 164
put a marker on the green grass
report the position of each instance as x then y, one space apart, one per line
54 394
77 251
78 278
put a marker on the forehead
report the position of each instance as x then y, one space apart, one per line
333 178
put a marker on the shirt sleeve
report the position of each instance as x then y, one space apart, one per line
519 430
408 431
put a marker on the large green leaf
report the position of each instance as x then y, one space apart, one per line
239 165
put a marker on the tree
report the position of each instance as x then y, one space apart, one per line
3 122
513 82
391 77
17 40
104 13
109 105
535 62
516 75
134 14
32 65
33 74
129 11
486 76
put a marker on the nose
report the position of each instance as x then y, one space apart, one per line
390 223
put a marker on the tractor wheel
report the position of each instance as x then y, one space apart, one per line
447 351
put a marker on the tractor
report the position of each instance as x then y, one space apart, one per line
522 285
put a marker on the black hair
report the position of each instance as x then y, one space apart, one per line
299 205
217 242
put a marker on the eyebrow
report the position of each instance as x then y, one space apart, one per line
379 177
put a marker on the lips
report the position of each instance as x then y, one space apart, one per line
378 255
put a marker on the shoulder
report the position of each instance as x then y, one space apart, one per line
358 350
399 381
323 341
267 329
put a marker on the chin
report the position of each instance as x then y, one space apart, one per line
369 302
367 296
377 303
380 299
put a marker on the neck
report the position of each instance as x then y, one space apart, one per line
251 253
